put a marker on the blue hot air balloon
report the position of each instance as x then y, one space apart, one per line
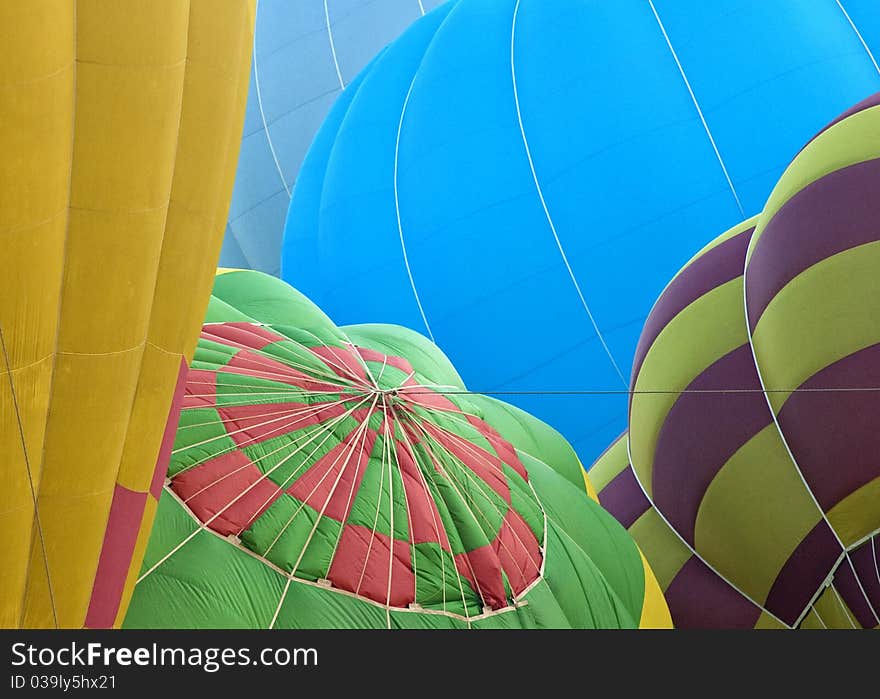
518 179
305 53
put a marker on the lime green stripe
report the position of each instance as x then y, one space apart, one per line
610 464
759 496
824 314
701 334
854 140
661 546
857 515
727 235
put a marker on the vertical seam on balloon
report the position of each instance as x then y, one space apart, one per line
818 616
842 605
874 554
859 35
332 45
135 392
687 544
57 343
791 456
409 273
699 110
260 102
549 218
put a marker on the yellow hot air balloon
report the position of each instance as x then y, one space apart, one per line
120 124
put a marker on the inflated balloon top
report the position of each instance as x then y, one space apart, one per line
750 474
343 477
305 53
517 179
119 131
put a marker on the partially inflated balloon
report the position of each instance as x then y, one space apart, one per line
520 178
119 135
306 52
343 477
750 475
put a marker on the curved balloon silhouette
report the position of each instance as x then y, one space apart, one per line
305 54
749 474
344 477
517 179
119 136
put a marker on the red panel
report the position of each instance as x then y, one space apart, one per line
502 447
361 566
170 431
483 569
123 524
201 389
241 334
316 485
212 487
518 551
486 466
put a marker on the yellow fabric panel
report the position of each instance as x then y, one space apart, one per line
133 32
591 491
765 621
111 271
853 140
36 112
610 464
665 552
655 611
17 513
140 547
698 336
149 416
85 185
91 401
857 515
827 312
226 270
754 514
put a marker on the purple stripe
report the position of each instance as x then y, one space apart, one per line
699 599
846 585
712 269
803 573
866 103
835 435
863 560
835 213
623 498
701 432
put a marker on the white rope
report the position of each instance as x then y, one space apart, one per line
549 218
333 45
699 110
859 35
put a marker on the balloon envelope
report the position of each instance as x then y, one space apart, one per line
518 179
341 477
119 135
749 474
305 53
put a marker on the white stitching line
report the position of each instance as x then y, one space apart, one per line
332 45
559 245
260 103
685 542
409 273
699 111
859 35
791 453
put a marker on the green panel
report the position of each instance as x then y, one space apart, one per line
208 583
